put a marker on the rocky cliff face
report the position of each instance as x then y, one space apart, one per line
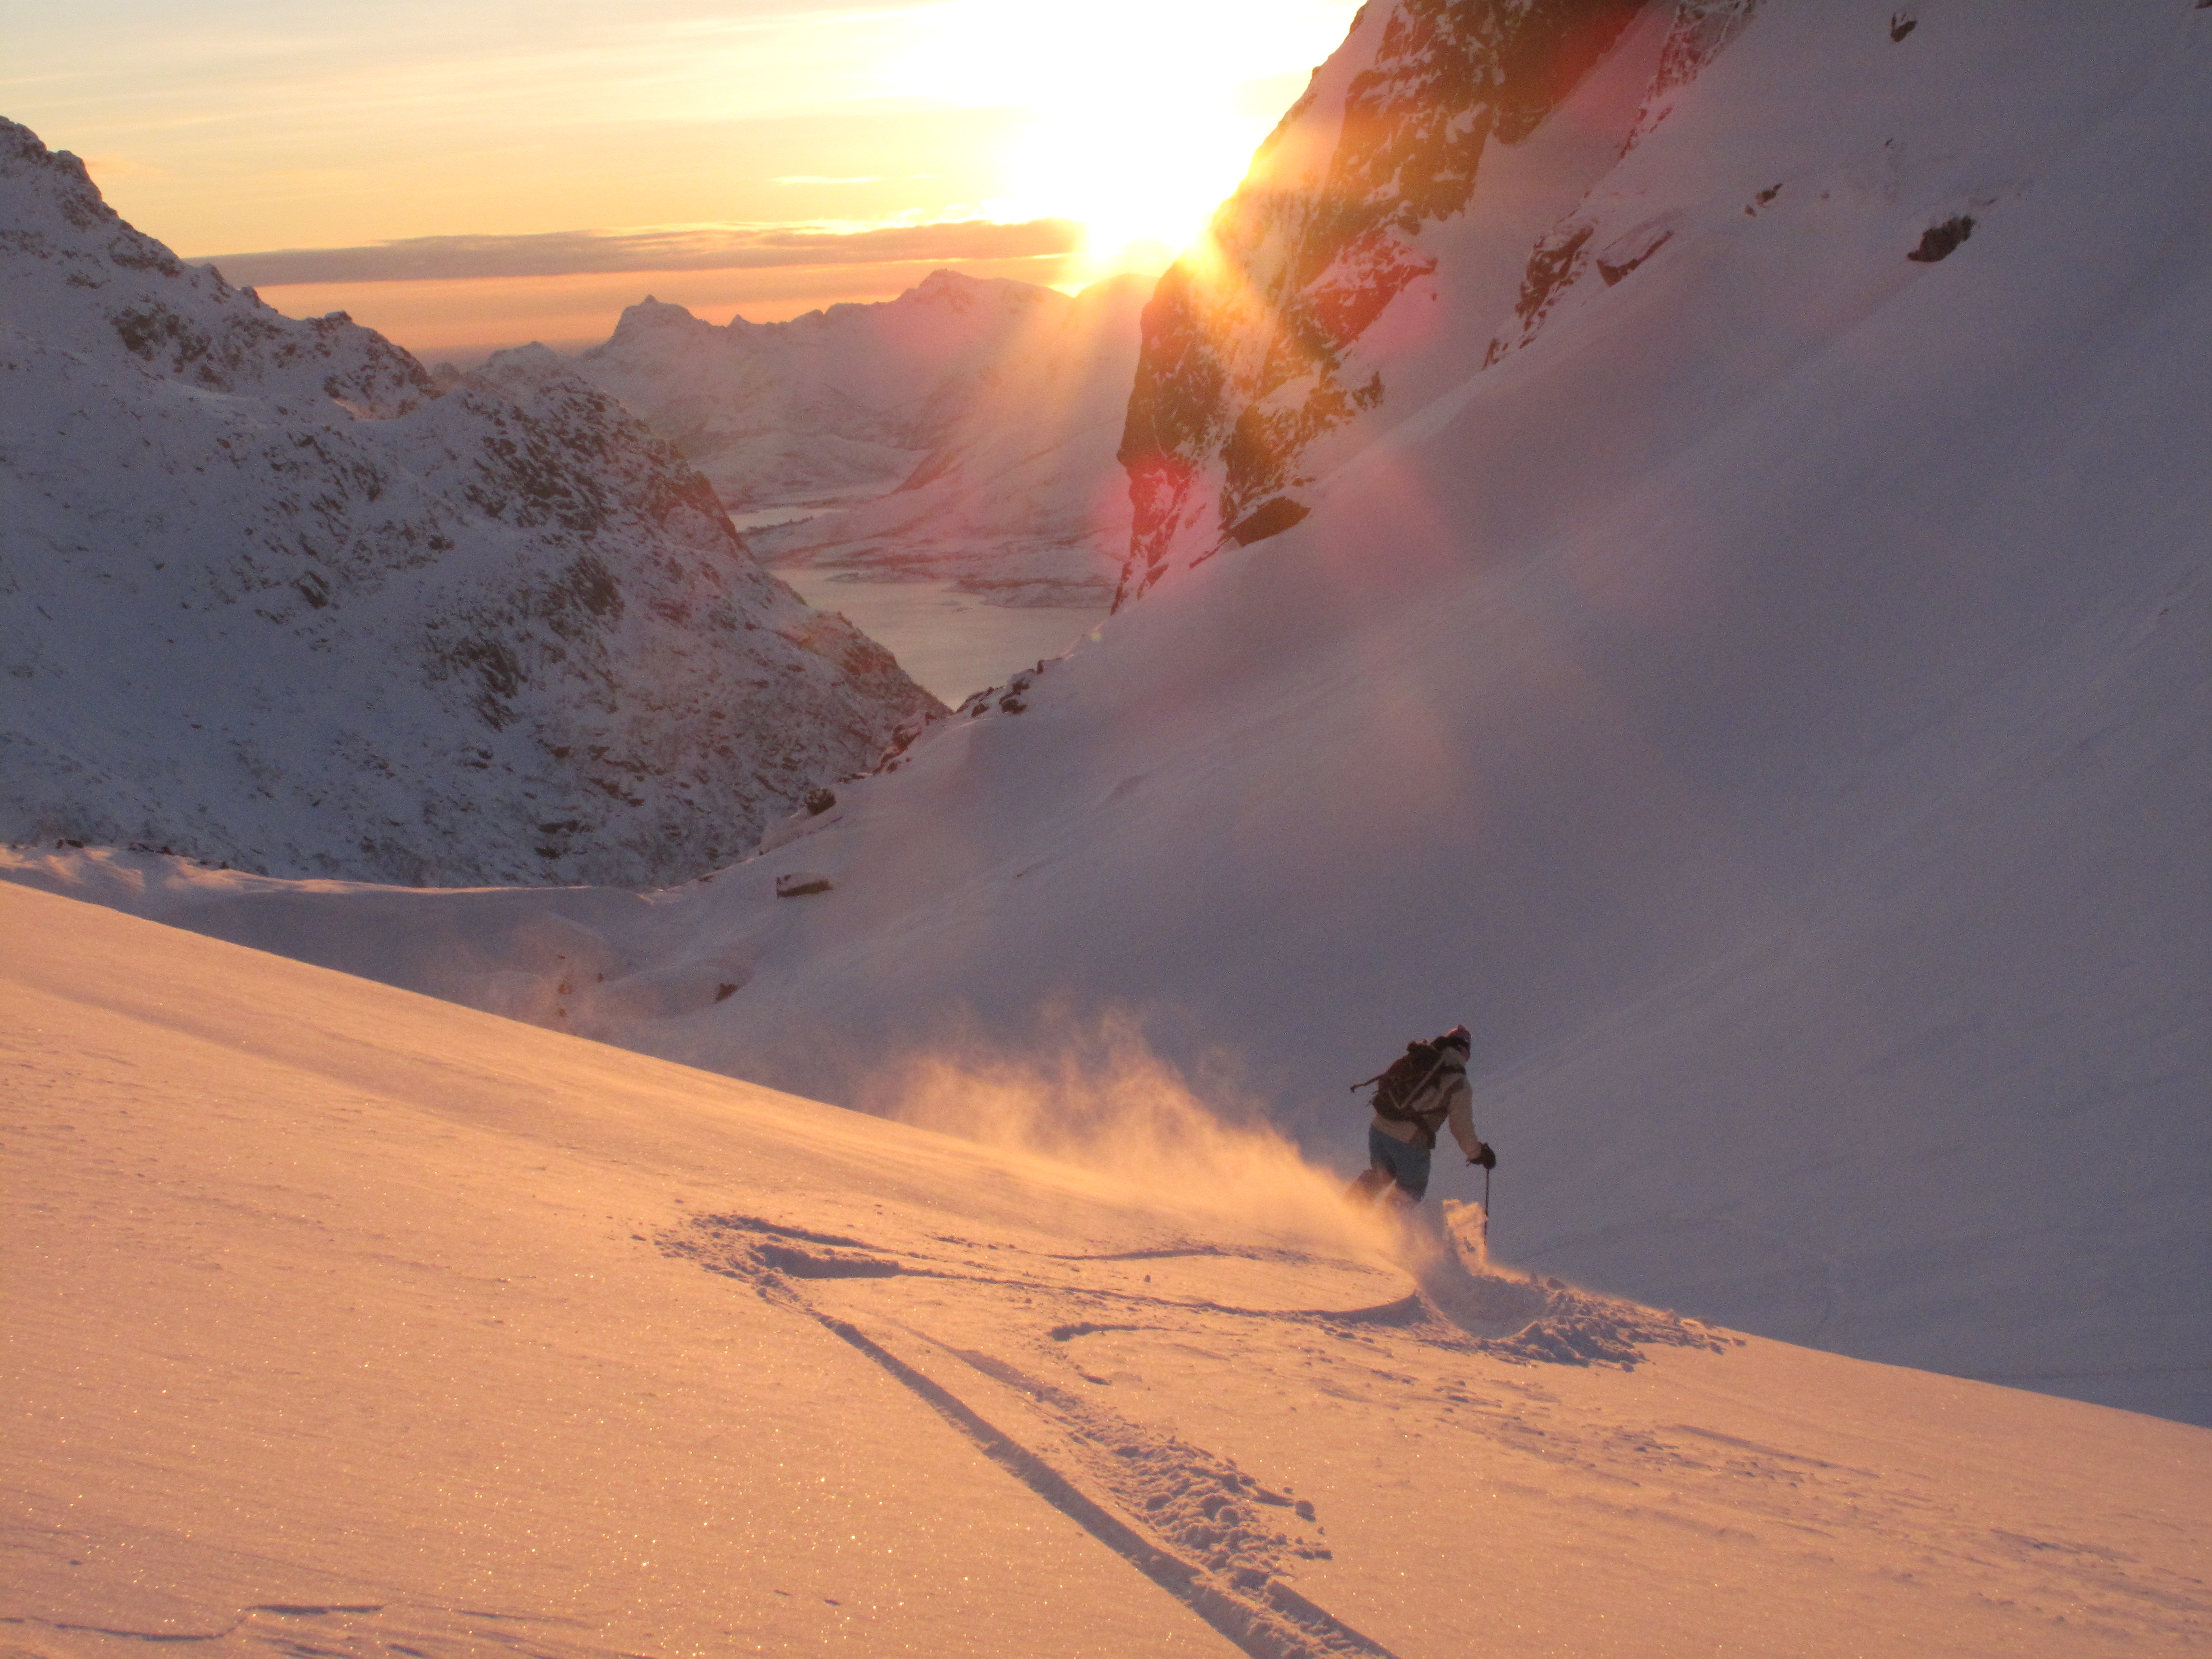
1256 346
268 596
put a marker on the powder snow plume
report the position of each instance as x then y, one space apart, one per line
1093 1093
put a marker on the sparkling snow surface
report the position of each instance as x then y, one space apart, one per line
344 1322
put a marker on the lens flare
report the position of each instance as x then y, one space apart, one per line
1139 119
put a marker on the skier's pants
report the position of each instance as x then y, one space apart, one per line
1407 1165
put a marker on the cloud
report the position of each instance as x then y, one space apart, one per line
689 248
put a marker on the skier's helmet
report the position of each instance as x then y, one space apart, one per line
1458 1037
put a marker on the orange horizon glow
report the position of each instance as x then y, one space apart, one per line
466 319
280 128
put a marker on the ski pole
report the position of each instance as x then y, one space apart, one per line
1485 1209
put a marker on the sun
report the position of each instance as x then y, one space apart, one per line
1139 119
1142 191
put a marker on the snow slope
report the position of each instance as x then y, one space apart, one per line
345 1322
268 596
1766 698
1770 704
967 429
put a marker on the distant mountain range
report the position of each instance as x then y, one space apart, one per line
967 429
268 595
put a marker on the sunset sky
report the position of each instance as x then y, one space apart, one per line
475 173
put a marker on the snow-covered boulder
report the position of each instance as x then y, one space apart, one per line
268 596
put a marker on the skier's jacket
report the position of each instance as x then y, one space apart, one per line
1445 1098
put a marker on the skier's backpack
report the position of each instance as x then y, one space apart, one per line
1399 1083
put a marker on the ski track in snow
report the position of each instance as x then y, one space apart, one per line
1018 1352
345 1324
1214 1537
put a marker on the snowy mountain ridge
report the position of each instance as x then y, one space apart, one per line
967 428
496 634
1021 499
843 399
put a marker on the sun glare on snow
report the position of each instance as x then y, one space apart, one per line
1141 117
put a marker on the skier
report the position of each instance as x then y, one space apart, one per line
1430 1089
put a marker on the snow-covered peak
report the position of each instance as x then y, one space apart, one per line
964 430
834 404
271 598
74 274
649 316
523 365
1021 499
956 292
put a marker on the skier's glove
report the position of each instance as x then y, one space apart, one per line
1487 1157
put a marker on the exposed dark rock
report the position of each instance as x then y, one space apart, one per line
1940 241
1613 272
1270 518
1243 368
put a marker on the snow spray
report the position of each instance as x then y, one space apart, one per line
1094 1095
